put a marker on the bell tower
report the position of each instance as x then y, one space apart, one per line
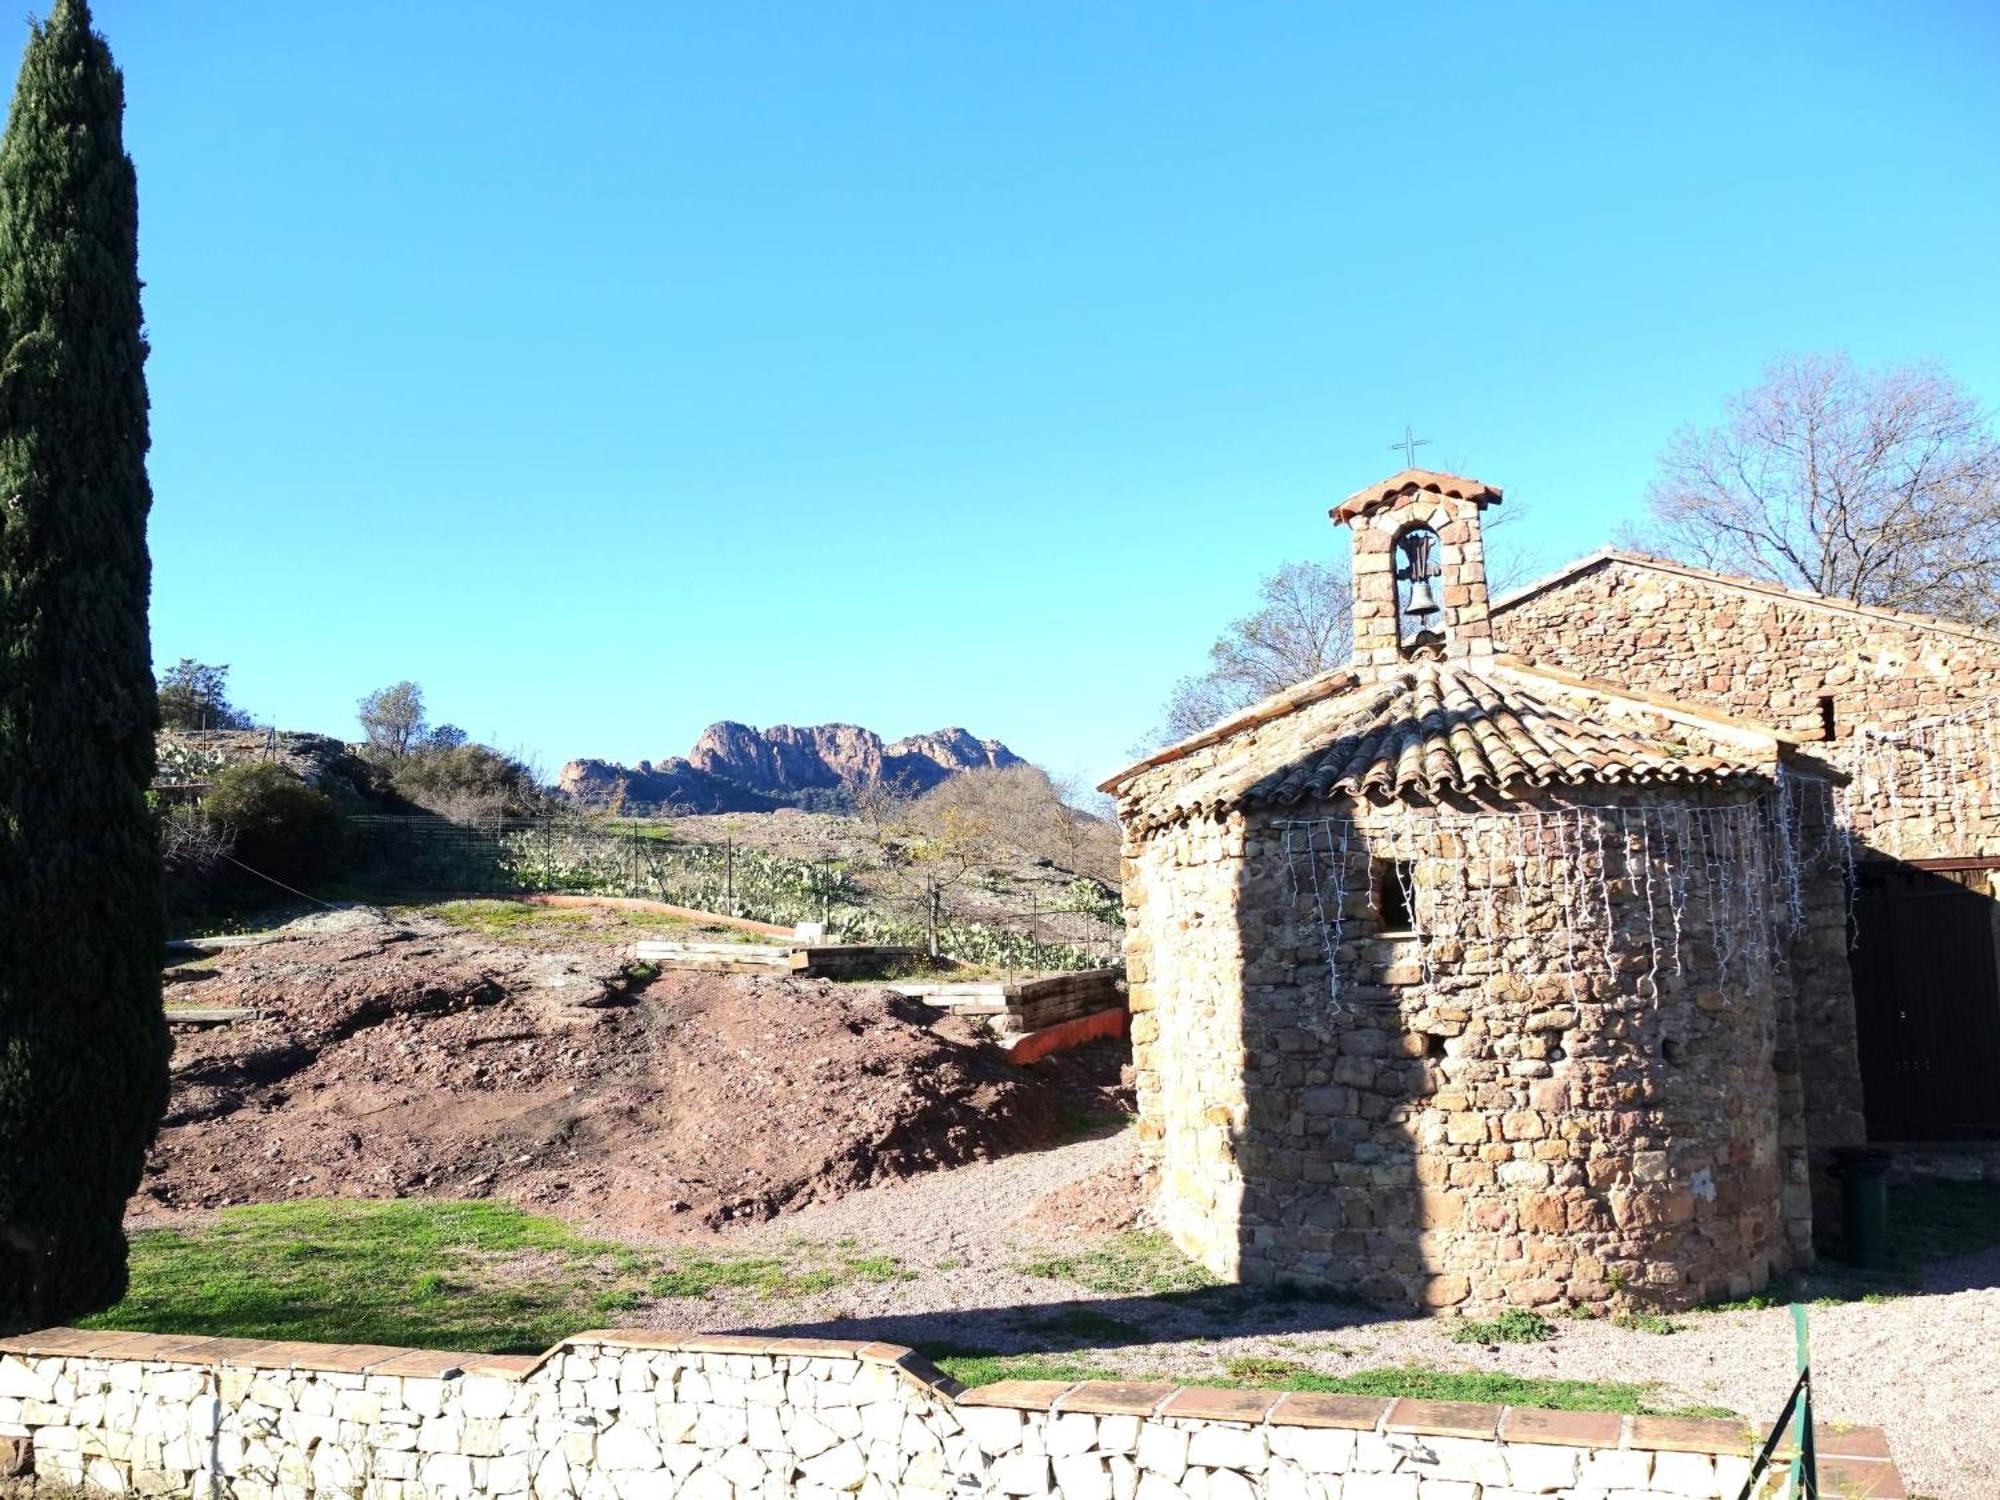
1419 568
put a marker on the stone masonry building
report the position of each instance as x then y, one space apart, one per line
1466 983
1902 710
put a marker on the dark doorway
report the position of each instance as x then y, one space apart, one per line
1927 1003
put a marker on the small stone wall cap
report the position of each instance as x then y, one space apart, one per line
1116 1398
1861 1479
1570 1429
1216 1405
506 1366
432 1364
1021 1395
1693 1435
1468 1419
1317 1409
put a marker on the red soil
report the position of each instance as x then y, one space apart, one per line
389 1062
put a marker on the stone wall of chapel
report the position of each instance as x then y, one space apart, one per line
1771 658
1504 1131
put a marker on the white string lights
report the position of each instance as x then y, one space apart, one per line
1936 774
1621 894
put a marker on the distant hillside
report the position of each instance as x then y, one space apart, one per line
738 768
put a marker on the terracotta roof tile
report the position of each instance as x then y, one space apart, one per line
1384 491
1430 728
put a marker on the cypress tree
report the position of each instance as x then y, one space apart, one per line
83 1044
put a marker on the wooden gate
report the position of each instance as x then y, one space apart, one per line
1927 1003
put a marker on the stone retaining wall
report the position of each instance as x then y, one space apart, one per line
627 1416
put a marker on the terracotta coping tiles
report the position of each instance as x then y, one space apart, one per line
1116 1398
1575 1429
432 1363
197 1351
285 1354
631 1338
1466 1419
921 1370
1220 1405
506 1366
723 1343
1840 1442
47 1342
1311 1409
1023 1395
1692 1435
1861 1479
353 1359
816 1348
887 1354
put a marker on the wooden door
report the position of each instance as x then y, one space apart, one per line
1927 1004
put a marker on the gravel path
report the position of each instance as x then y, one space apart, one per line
1926 1368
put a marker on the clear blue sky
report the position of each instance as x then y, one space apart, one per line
617 369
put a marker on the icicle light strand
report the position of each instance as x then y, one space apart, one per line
1589 864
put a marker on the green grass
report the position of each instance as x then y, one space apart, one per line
1936 1220
984 1366
1642 1322
1514 1326
970 1366
504 919
771 1276
434 1274
481 1276
1928 1221
1139 1262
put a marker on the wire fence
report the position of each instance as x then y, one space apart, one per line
985 918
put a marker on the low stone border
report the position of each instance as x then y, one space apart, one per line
748 1417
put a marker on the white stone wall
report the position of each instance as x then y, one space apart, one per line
632 1416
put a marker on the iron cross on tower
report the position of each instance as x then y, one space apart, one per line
1410 444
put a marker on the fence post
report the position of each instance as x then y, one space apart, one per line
1035 929
729 870
936 899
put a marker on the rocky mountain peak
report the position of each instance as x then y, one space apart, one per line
739 768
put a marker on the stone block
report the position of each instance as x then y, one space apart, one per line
1379 1487
1021 1474
623 1445
1082 1476
1163 1451
1242 1448
1689 1474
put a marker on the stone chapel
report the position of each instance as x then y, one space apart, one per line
1460 982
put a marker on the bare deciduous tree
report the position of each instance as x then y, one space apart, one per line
1303 624
1879 486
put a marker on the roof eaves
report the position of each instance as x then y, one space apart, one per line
1276 706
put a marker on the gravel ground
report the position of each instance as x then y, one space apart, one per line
1923 1367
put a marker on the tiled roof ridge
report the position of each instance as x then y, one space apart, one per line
1604 555
1445 728
1450 703
1374 496
1273 706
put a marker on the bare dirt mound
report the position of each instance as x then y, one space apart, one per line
436 1062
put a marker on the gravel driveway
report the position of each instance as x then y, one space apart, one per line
1925 1367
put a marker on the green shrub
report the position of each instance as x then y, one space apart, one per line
281 827
1514 1326
462 780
